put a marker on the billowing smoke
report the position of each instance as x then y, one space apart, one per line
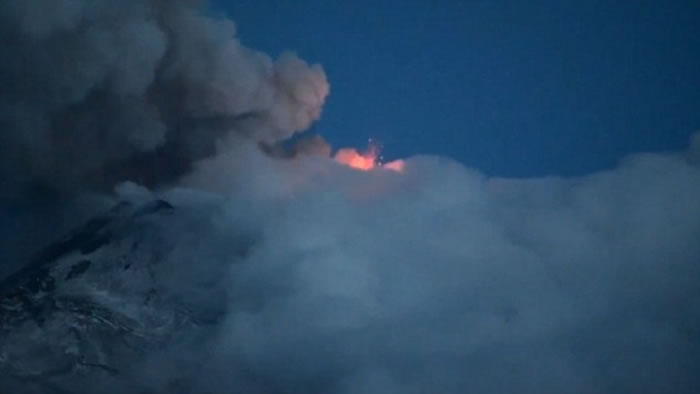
94 92
439 279
435 279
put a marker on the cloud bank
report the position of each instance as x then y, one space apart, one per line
439 279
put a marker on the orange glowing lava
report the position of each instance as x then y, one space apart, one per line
351 157
366 161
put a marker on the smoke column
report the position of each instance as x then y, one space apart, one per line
96 91
93 89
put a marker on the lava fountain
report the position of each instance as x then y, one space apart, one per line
367 161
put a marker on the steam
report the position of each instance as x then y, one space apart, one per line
439 279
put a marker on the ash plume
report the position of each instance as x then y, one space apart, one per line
94 92
440 279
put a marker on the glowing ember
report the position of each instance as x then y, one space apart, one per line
357 160
366 161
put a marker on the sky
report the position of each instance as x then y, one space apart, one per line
512 88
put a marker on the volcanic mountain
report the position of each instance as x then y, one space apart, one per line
95 305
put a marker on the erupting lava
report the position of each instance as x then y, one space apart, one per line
357 160
366 161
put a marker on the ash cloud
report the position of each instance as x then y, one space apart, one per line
440 279
96 92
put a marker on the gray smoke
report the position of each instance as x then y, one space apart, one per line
442 280
93 92
98 91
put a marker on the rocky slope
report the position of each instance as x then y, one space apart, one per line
94 305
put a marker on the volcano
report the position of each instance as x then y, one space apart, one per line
93 305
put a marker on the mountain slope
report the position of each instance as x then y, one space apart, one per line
94 304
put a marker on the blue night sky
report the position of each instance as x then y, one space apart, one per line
513 88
